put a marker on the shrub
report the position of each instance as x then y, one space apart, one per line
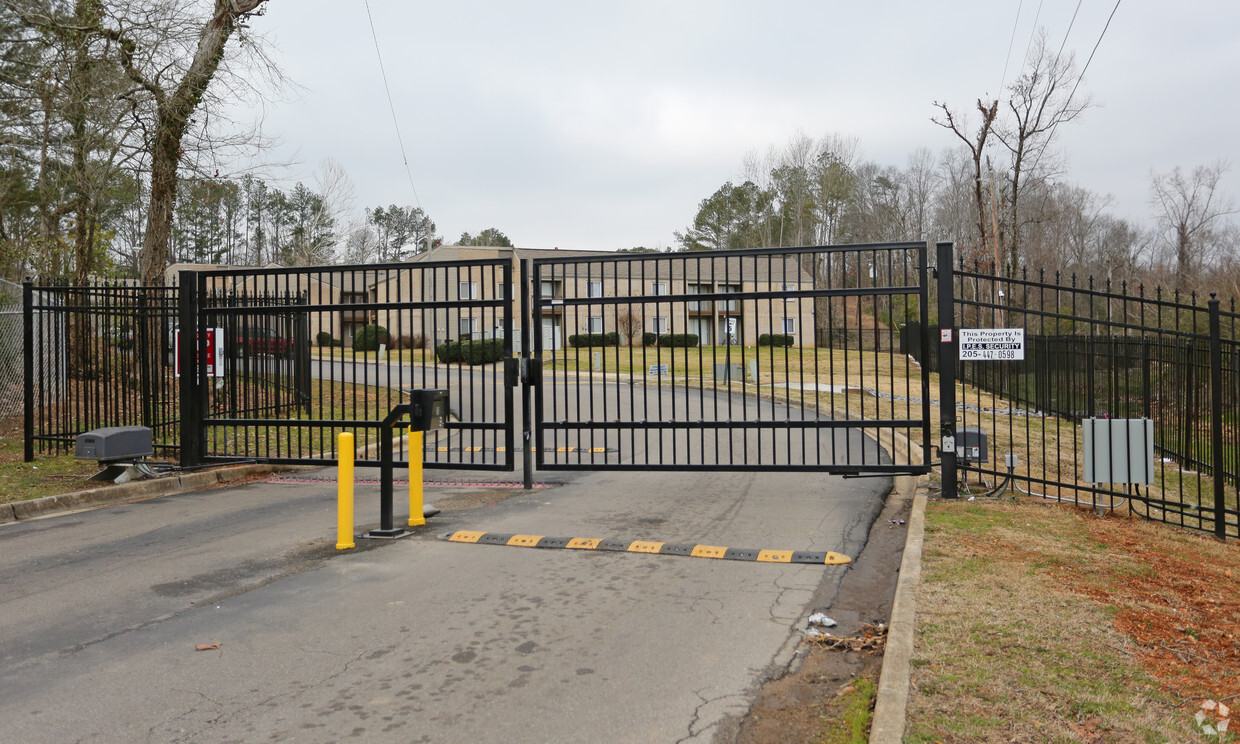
775 339
417 341
485 351
650 339
369 337
584 340
681 340
323 338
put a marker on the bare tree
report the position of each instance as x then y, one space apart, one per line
177 92
1043 97
630 325
977 150
1192 217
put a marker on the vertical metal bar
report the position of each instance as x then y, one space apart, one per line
531 387
1216 418
28 371
187 354
947 369
923 307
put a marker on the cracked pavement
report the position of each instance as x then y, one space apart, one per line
416 639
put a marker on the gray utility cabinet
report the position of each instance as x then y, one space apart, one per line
1118 450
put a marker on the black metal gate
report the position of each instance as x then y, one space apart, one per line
772 359
305 354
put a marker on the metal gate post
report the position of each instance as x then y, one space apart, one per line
1216 418
187 351
28 370
526 377
947 368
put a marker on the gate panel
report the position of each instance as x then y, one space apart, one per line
311 353
778 359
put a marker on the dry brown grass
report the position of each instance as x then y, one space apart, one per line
1046 624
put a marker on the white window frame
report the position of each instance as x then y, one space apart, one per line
788 288
660 324
594 324
659 289
467 325
499 291
467 290
594 288
790 326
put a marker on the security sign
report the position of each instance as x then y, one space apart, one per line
213 359
981 344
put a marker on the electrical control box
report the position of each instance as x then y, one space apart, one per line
428 409
114 443
1118 450
971 445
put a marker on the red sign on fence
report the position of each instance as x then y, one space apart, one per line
212 359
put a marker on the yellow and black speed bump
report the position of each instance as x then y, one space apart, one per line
649 546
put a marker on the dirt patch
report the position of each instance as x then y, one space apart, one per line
806 703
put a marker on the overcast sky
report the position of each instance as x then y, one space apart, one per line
603 125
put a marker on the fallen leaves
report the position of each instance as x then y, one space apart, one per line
870 638
207 646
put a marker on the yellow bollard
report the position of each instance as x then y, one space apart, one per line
344 492
416 518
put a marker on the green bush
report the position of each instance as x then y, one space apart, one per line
484 351
678 340
776 339
368 338
650 339
323 338
585 340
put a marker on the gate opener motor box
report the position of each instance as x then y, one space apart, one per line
971 445
114 443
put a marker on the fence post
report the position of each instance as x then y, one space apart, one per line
186 352
526 375
947 368
1216 417
28 370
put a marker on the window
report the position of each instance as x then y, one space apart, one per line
549 289
658 288
788 289
596 289
499 291
595 324
659 324
790 326
469 325
468 291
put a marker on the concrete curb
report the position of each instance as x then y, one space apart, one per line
133 491
894 679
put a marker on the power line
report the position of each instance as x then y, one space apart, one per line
391 106
1011 42
1050 135
1095 49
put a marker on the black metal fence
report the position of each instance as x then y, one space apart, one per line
773 359
1104 351
310 353
97 356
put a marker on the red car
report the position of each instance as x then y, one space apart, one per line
254 341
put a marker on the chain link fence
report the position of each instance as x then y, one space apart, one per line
48 364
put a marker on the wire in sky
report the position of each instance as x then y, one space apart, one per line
1079 78
392 106
1095 49
1071 23
1011 43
